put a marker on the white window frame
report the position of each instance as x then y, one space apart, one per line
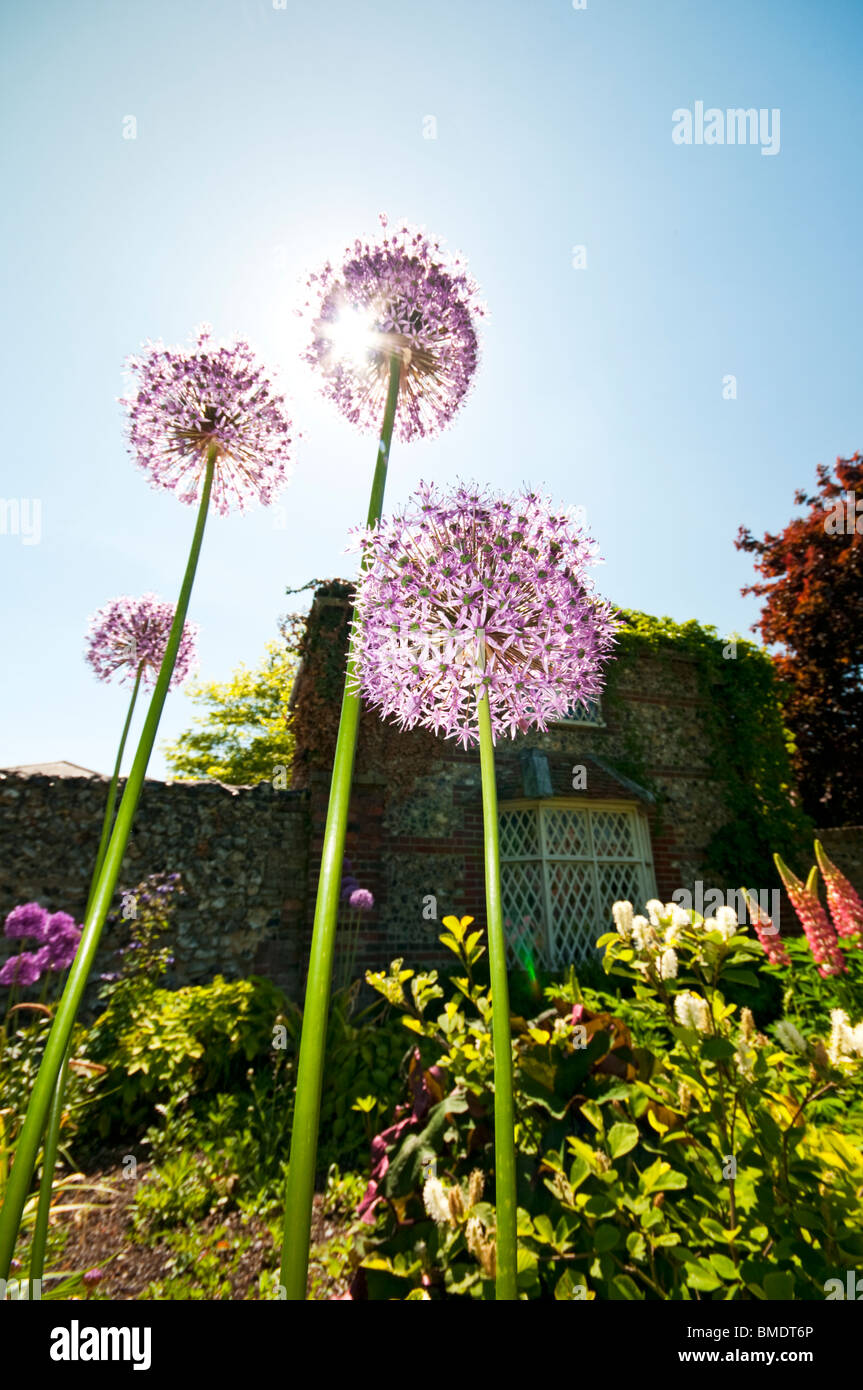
643 860
578 718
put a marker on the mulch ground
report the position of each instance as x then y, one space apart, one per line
102 1237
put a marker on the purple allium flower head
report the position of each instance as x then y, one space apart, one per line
28 919
188 400
362 900
132 632
24 969
452 565
62 936
398 293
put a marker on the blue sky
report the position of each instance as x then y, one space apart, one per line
267 138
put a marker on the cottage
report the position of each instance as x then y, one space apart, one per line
632 797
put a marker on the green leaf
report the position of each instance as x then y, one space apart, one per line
621 1138
544 1229
724 1266
578 1172
779 1286
606 1237
741 977
592 1113
568 1288
717 1049
625 1288
700 1276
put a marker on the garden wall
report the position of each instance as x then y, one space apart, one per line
241 852
844 845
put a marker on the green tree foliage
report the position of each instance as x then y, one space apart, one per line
244 735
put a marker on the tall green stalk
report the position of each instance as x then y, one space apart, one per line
504 1120
27 1145
55 1116
300 1187
112 791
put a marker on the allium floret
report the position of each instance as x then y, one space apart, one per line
472 594
398 294
129 634
188 401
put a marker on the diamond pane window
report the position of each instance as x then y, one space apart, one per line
563 864
589 713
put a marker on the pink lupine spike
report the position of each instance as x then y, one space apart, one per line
767 934
846 907
822 939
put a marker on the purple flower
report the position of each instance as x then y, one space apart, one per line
27 920
24 969
452 566
349 882
399 294
132 633
187 401
62 936
362 900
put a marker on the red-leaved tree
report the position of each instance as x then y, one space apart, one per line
813 613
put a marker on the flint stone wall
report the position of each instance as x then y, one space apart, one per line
242 853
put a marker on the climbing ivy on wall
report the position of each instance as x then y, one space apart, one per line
750 746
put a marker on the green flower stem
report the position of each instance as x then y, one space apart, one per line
112 791
55 1117
49 1163
504 1125
27 1146
300 1187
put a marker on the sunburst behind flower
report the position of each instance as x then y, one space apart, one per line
401 295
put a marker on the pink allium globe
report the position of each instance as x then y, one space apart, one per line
449 566
399 294
27 919
129 633
187 401
22 970
62 938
